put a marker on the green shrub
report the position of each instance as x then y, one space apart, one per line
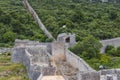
49 40
112 52
118 51
9 36
104 59
108 48
89 47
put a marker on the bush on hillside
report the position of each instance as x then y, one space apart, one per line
89 47
108 47
9 36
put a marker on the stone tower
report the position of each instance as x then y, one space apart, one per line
67 38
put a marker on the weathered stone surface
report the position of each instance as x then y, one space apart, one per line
52 78
114 42
89 75
17 54
32 57
58 51
69 39
110 74
5 50
77 62
37 59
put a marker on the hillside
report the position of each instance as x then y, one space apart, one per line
83 18
16 22
90 22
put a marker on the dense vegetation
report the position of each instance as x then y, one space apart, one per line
16 22
79 16
11 71
89 50
83 18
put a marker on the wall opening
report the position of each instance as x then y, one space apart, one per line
67 40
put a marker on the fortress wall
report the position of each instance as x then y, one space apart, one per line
77 62
108 74
28 43
58 51
18 54
21 55
94 75
37 19
36 57
114 42
5 50
34 72
112 74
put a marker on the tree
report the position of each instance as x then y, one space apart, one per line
113 15
90 46
105 58
118 51
112 52
9 36
108 48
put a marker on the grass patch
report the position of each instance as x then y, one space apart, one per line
11 71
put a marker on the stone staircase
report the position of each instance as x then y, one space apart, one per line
68 70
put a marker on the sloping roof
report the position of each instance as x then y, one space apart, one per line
53 78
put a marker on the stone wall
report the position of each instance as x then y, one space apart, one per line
58 50
36 58
18 54
110 74
77 62
28 55
94 75
114 42
5 50
33 43
37 19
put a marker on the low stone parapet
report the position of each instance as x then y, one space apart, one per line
5 50
77 62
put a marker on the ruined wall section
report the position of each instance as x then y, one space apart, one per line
114 42
35 58
21 55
